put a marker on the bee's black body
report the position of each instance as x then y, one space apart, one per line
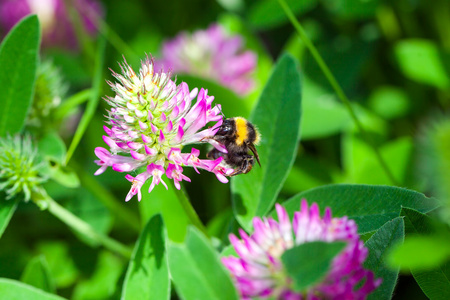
238 136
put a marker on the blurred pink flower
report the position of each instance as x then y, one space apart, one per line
151 119
211 54
259 272
56 26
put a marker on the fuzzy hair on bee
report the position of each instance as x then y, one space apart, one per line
238 136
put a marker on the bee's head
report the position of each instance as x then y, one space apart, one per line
228 128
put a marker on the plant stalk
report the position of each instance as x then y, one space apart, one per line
336 87
81 226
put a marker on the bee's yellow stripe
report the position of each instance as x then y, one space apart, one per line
241 131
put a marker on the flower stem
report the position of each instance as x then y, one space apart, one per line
82 227
122 213
335 85
190 212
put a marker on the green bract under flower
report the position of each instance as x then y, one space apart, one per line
18 167
49 90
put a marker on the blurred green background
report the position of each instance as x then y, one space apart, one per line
392 59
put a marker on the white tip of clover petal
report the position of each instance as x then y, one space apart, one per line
143 125
133 134
139 113
154 128
163 118
134 145
221 177
150 116
131 106
122 167
193 93
101 169
137 155
174 112
107 130
150 151
110 142
146 139
217 145
128 118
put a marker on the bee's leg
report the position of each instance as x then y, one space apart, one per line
245 164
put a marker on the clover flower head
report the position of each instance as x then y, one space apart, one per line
19 169
259 272
150 120
57 28
211 53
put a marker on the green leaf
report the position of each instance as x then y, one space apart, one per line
423 61
353 9
268 13
420 253
148 275
51 147
18 62
52 151
197 271
103 282
15 290
308 263
435 282
65 176
389 102
167 204
91 106
369 205
60 262
424 248
7 209
278 109
37 274
389 234
88 208
361 165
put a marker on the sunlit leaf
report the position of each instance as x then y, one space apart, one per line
18 62
389 102
167 204
16 290
369 205
148 275
362 166
197 271
278 108
422 61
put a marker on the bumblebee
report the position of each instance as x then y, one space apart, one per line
238 136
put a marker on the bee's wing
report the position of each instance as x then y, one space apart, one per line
252 147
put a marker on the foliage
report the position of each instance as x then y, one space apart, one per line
353 109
